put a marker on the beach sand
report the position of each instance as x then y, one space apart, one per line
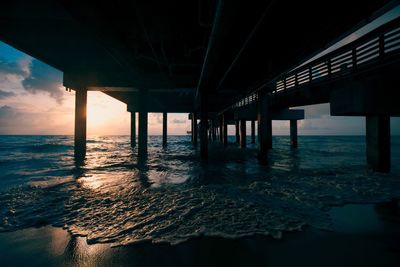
362 235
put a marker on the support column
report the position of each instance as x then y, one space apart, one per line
203 127
209 130
253 132
142 149
264 125
133 129
214 130
242 133
165 128
191 129
269 133
224 130
221 130
378 143
293 133
80 124
237 132
194 128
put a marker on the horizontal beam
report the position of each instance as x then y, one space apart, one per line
106 89
369 97
158 101
210 115
287 114
160 109
250 113
125 79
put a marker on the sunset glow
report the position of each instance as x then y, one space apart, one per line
199 133
106 115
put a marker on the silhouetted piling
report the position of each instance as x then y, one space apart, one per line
143 116
133 129
242 133
293 133
80 123
165 128
253 132
378 143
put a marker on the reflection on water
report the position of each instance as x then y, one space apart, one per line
171 196
59 239
50 246
370 240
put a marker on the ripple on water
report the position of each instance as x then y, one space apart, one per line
172 197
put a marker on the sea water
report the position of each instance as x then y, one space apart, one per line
171 196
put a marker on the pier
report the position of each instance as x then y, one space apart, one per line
222 62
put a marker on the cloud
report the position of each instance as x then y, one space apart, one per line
43 78
5 94
11 68
317 111
179 121
155 118
307 125
34 76
24 121
9 116
6 111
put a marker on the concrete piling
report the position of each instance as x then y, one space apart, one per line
242 133
165 128
80 124
143 117
133 129
203 127
253 132
224 130
194 129
293 133
378 143
237 132
264 125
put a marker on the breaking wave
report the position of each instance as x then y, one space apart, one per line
172 197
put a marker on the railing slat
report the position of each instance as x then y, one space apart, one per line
372 47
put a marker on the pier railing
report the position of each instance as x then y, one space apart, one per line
372 50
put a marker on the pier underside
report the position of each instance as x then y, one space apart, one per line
201 57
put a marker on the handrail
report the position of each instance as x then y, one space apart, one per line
349 58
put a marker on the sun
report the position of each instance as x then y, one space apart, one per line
106 115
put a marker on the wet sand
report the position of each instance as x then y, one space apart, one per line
362 235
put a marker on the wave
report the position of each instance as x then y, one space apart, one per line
119 210
44 148
172 197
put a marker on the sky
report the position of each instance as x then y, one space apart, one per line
33 101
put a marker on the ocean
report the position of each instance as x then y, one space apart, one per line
172 196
